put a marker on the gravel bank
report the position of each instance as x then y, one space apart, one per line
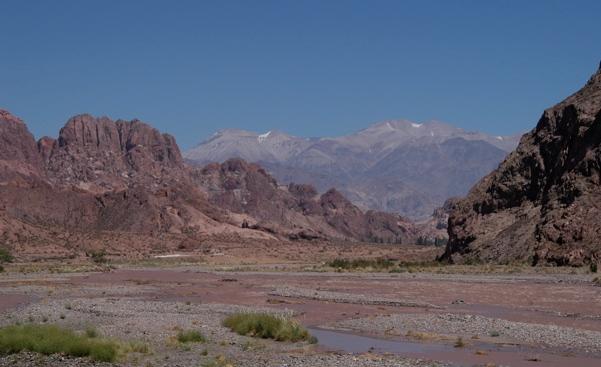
338 297
156 323
564 338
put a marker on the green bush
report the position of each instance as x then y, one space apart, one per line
91 332
262 325
5 256
51 339
361 264
190 336
593 267
99 257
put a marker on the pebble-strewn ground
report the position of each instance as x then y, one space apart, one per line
484 327
518 320
156 323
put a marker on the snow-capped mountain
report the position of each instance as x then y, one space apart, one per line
400 166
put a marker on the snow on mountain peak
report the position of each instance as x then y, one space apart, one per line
261 138
416 125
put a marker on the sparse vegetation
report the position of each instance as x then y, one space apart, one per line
422 335
190 336
266 326
376 264
429 241
5 256
459 343
91 332
220 361
494 334
138 347
51 339
593 267
98 257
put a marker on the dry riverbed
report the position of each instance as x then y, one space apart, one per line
362 319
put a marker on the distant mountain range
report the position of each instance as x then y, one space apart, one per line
396 166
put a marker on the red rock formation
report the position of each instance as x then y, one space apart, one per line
102 181
295 211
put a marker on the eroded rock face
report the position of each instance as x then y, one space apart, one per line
104 155
543 204
102 181
296 211
19 158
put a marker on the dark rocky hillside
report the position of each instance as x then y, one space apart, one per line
543 204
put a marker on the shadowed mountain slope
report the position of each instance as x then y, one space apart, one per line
543 204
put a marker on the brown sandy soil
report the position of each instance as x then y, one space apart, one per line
561 304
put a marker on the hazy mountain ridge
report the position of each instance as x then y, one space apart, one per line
398 166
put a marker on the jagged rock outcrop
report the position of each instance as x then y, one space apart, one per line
123 185
297 211
19 158
543 204
100 182
104 155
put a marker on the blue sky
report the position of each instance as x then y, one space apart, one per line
310 68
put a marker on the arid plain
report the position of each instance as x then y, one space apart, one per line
402 311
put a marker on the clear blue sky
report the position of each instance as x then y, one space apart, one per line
311 68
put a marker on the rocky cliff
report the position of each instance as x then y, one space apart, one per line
296 211
124 186
543 204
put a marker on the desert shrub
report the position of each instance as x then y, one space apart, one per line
263 325
99 257
91 332
51 339
190 336
459 343
5 256
361 264
1 269
138 347
593 267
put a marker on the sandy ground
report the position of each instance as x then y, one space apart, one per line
428 318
